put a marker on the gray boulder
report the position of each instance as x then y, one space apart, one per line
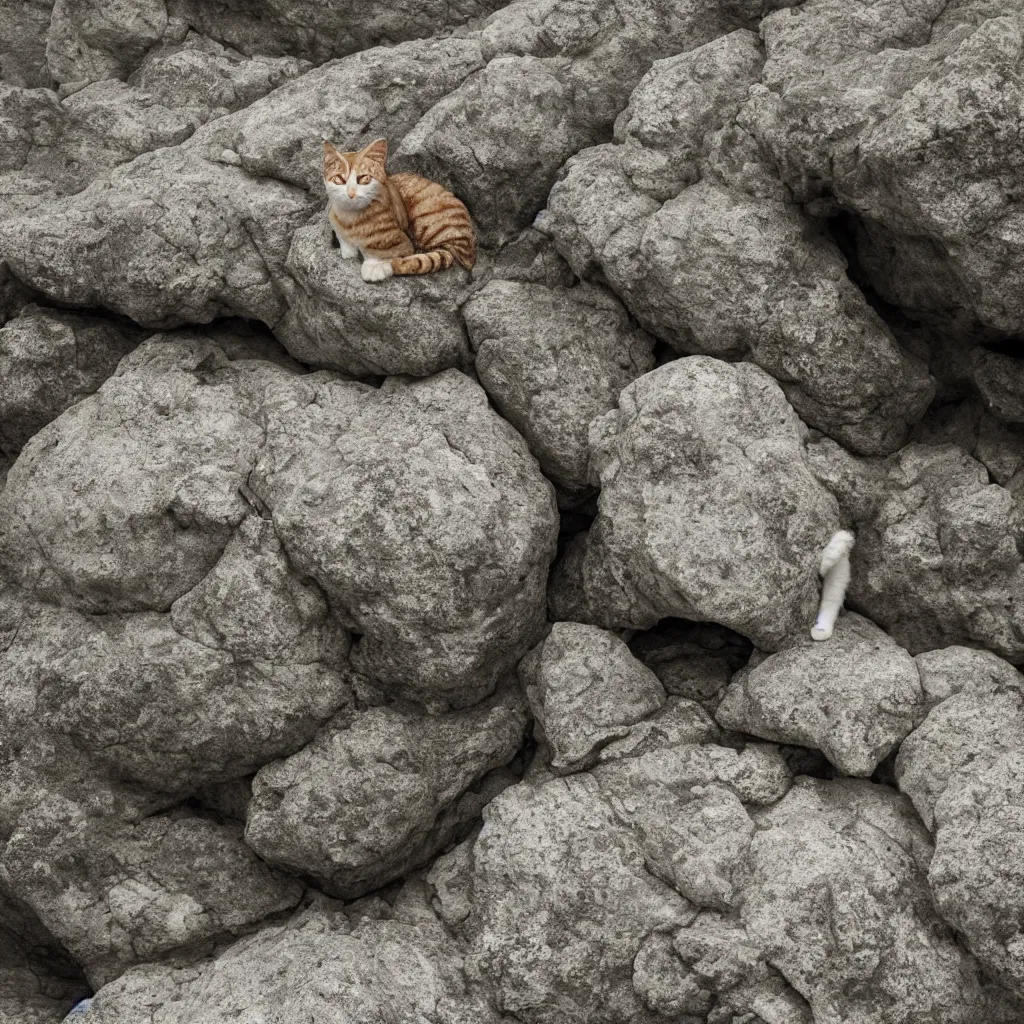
904 118
585 690
837 900
49 360
552 360
708 510
854 698
699 262
23 46
387 963
119 893
951 571
368 800
962 767
526 894
336 320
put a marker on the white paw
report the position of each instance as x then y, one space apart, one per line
376 270
348 251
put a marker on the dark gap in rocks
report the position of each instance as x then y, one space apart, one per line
808 761
843 228
571 523
695 660
885 773
1012 346
335 244
664 353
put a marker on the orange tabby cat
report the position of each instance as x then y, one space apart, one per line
381 216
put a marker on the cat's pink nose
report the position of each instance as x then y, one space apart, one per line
351 192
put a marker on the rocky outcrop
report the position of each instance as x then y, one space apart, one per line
708 509
367 801
951 572
438 648
854 698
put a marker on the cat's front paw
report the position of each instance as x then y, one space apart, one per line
348 251
376 270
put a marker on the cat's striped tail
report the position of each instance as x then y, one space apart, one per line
422 262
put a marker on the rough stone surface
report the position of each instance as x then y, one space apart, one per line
50 360
855 697
276 542
117 894
708 509
368 800
585 690
552 360
937 559
390 964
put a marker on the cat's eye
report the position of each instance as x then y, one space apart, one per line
364 179
337 179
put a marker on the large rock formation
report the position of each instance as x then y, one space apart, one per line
437 649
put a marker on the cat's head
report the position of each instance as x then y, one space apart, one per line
354 180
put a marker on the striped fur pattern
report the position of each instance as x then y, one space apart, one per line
387 218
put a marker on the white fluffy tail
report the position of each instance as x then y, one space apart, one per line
835 568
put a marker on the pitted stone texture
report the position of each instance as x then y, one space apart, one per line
320 965
585 690
49 360
118 893
686 804
905 114
423 516
337 320
23 47
977 874
39 983
551 360
708 510
367 801
202 230
962 769
319 31
554 949
838 901
717 271
141 481
937 559
854 697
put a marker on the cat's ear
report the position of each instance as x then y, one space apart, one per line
331 154
377 151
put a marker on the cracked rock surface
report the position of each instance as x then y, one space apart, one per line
438 649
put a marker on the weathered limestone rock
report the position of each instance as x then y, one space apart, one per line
117 894
855 697
585 690
320 965
708 510
49 360
555 920
552 360
704 271
367 801
905 116
936 560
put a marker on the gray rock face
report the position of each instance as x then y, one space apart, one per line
962 769
702 271
248 436
552 360
876 114
708 509
276 542
855 698
391 963
368 800
950 572
585 690
118 894
50 360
